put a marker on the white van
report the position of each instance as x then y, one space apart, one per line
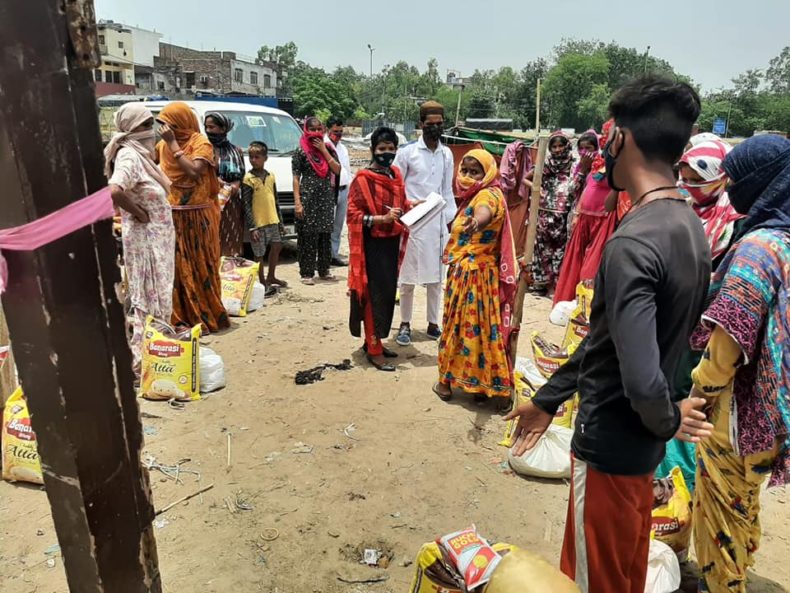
275 127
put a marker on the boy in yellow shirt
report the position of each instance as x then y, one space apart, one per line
262 212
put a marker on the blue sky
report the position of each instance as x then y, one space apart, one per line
710 40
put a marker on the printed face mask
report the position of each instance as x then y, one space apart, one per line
384 159
703 193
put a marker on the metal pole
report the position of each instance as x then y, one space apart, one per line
372 49
647 53
537 111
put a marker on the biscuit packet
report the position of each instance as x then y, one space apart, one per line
170 366
474 558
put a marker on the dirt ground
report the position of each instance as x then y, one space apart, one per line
363 459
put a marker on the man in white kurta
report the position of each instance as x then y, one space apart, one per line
427 166
334 136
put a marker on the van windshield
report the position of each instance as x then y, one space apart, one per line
280 133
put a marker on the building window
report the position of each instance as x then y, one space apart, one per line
116 77
238 75
267 81
107 76
204 80
120 45
101 40
190 77
97 75
253 78
160 85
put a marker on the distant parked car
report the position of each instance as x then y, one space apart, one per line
276 128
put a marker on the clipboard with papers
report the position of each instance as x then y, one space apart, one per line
424 212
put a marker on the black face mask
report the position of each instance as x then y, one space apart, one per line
740 200
433 131
384 159
611 161
217 137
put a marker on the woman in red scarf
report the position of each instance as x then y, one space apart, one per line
481 286
593 224
314 165
376 201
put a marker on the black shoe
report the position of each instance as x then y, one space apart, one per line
387 352
339 263
386 367
434 332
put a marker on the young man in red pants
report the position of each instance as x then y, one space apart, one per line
649 294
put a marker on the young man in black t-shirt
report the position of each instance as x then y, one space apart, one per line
649 294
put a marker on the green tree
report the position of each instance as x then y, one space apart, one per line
314 92
778 73
573 77
594 108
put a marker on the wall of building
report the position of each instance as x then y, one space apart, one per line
253 79
117 54
146 45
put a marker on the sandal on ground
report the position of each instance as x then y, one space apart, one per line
277 282
445 397
308 281
386 367
270 291
329 278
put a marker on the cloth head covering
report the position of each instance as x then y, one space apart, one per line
703 137
314 157
184 123
709 200
561 163
759 168
598 168
128 117
491 178
431 108
230 160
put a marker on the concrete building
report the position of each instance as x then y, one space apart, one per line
146 46
115 75
184 70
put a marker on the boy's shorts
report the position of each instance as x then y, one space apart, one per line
268 234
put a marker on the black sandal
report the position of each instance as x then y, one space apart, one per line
445 397
387 367
386 351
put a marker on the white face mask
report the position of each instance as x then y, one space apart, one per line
147 138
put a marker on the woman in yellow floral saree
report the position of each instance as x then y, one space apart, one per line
481 285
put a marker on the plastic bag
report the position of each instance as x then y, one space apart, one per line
435 571
549 357
170 368
530 372
672 512
549 458
579 320
525 391
21 462
257 297
474 558
212 371
561 313
237 276
663 569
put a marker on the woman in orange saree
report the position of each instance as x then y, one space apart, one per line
187 158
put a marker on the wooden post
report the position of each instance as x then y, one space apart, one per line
529 243
66 324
